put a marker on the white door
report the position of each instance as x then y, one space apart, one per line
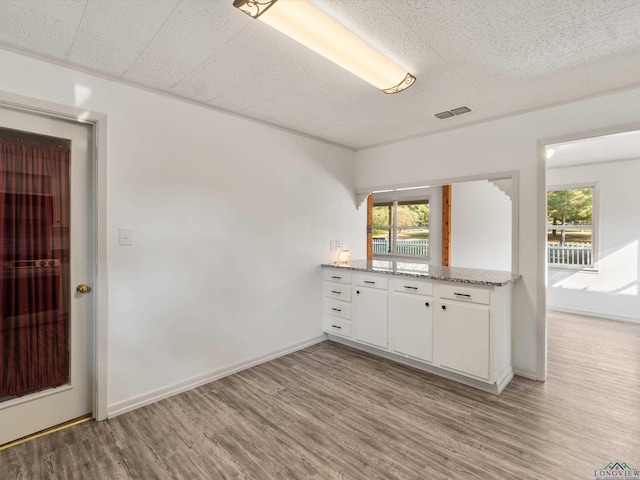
462 338
411 325
46 370
370 315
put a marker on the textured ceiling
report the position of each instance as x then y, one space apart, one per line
606 148
498 57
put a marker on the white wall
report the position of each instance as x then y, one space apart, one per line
231 220
612 290
480 226
498 146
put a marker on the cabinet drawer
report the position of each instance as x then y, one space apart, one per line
412 286
339 291
337 326
465 293
337 275
372 281
337 308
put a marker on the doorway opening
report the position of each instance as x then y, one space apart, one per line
592 253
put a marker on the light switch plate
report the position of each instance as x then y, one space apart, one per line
126 236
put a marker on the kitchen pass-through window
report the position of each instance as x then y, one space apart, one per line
401 228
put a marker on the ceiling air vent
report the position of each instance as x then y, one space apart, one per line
460 110
452 112
443 115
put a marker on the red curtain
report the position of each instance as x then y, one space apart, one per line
34 250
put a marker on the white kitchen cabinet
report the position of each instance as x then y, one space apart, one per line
453 328
337 326
331 275
337 308
464 338
336 290
339 291
411 324
369 311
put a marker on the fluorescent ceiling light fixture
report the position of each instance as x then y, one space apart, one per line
307 24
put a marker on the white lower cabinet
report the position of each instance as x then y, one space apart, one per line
337 326
336 290
463 333
454 329
411 325
369 315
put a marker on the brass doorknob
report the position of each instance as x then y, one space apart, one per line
82 288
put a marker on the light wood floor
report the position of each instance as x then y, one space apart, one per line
336 413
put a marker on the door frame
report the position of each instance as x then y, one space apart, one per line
97 123
541 330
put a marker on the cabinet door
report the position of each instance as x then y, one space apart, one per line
411 325
369 315
461 338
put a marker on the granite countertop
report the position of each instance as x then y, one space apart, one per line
422 270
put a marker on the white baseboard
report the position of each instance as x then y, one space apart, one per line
521 372
138 401
502 382
589 313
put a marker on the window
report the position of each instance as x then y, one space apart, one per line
401 228
570 227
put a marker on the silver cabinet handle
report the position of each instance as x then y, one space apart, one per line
369 282
337 278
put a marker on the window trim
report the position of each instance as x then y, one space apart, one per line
595 227
399 200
